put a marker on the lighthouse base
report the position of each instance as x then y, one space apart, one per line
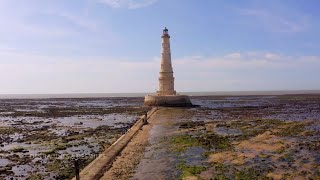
167 100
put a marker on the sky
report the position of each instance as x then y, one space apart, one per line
112 46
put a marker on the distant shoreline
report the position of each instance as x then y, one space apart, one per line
106 95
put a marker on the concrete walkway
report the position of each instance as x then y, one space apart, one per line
147 155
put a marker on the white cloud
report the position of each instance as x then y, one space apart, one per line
35 73
243 60
129 4
310 59
272 56
233 55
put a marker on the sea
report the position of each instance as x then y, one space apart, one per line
101 95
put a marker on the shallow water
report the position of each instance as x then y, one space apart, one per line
193 156
291 108
240 101
4 162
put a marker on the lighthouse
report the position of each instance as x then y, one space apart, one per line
166 79
166 95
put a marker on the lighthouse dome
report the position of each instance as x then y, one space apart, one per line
165 31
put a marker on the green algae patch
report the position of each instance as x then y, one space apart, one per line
188 171
35 177
190 124
9 130
292 129
214 141
224 172
183 142
50 152
252 127
209 141
62 146
40 136
63 170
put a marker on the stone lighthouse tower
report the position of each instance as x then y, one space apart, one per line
166 79
166 96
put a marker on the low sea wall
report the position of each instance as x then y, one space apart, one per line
97 167
167 100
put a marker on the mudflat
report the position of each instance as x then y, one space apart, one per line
248 137
41 138
226 137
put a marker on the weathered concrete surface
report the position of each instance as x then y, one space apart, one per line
97 167
148 156
159 162
168 101
125 163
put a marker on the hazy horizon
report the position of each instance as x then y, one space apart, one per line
81 46
142 94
